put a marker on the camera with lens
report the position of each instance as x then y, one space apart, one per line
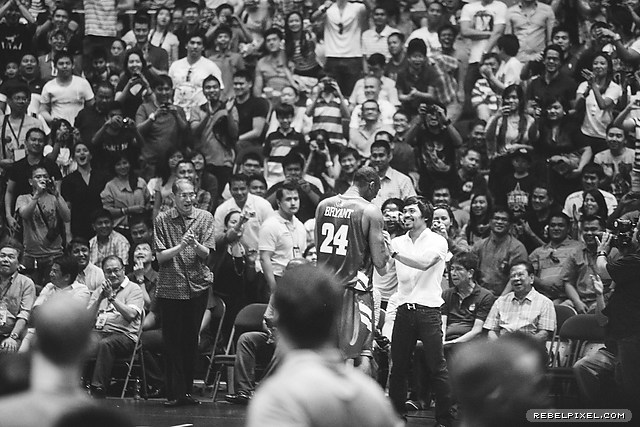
127 122
623 230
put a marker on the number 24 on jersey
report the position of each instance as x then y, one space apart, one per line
334 241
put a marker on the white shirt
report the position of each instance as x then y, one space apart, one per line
255 208
376 42
66 101
596 120
430 38
509 72
286 239
347 44
187 81
574 201
394 184
483 18
418 286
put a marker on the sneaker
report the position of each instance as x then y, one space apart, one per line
98 392
240 398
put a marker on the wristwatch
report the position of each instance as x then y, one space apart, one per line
14 336
394 254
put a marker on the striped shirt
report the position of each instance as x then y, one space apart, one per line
100 18
532 314
116 245
328 116
446 87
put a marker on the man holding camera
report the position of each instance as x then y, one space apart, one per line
118 134
623 309
41 213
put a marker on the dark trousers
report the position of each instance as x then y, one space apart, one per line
252 347
345 71
424 324
181 321
152 346
222 174
107 347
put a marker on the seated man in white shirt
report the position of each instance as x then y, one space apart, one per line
592 175
64 271
387 92
372 93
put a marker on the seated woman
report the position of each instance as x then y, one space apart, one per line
160 186
479 218
126 194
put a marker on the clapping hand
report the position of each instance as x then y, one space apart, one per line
107 290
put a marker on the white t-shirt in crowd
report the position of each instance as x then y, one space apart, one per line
483 18
345 43
65 101
596 120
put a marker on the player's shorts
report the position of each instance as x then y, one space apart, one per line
356 323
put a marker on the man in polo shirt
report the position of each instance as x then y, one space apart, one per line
117 309
17 294
498 251
184 238
467 304
374 40
532 22
89 274
282 237
552 82
524 309
392 182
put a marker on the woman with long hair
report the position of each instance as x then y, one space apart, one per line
134 86
208 181
161 35
126 194
442 214
300 48
160 187
558 153
507 131
63 139
596 98
479 218
81 190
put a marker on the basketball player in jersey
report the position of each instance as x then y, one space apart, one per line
351 240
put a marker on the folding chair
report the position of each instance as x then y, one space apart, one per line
563 312
218 311
136 359
579 332
248 319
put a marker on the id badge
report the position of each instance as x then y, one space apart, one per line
101 320
296 252
19 154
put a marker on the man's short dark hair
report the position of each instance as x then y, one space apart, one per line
114 106
222 29
424 207
509 44
289 186
142 17
308 301
377 59
239 177
285 110
272 31
504 210
243 74
555 48
591 218
593 168
35 168
526 264
258 177
12 243
557 213
365 175
448 27
161 80
293 158
211 78
14 88
468 260
35 130
349 151
140 219
251 155
397 34
67 265
62 54
99 214
381 144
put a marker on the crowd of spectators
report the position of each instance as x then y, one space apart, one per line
516 120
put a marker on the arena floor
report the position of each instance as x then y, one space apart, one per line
153 414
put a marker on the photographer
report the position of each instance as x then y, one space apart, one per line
118 134
42 212
328 109
435 141
623 308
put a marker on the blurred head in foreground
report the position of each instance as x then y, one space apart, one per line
496 382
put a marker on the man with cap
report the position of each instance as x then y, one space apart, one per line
417 83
